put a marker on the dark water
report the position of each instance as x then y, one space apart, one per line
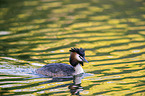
37 32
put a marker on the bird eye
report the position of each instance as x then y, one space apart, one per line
81 57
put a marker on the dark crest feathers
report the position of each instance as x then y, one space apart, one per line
80 51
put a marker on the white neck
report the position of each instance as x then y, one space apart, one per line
78 69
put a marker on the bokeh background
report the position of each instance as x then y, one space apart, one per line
37 32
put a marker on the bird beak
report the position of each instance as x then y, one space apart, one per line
85 60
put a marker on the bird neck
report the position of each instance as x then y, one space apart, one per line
78 69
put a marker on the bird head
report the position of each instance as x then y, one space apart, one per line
77 56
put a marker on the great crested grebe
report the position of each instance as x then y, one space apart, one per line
77 57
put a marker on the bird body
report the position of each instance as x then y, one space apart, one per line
56 70
77 57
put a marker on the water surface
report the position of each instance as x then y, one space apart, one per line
34 33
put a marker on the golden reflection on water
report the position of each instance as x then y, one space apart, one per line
34 33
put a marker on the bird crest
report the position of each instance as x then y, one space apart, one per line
80 51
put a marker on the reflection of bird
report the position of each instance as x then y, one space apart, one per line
77 57
75 89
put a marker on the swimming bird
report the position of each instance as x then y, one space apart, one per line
77 57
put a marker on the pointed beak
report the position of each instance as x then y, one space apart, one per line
85 60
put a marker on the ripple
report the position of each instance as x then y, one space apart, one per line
4 32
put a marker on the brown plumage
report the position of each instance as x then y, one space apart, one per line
56 70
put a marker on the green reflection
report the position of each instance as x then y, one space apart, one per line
36 32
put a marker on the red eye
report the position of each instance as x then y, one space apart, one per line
81 57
